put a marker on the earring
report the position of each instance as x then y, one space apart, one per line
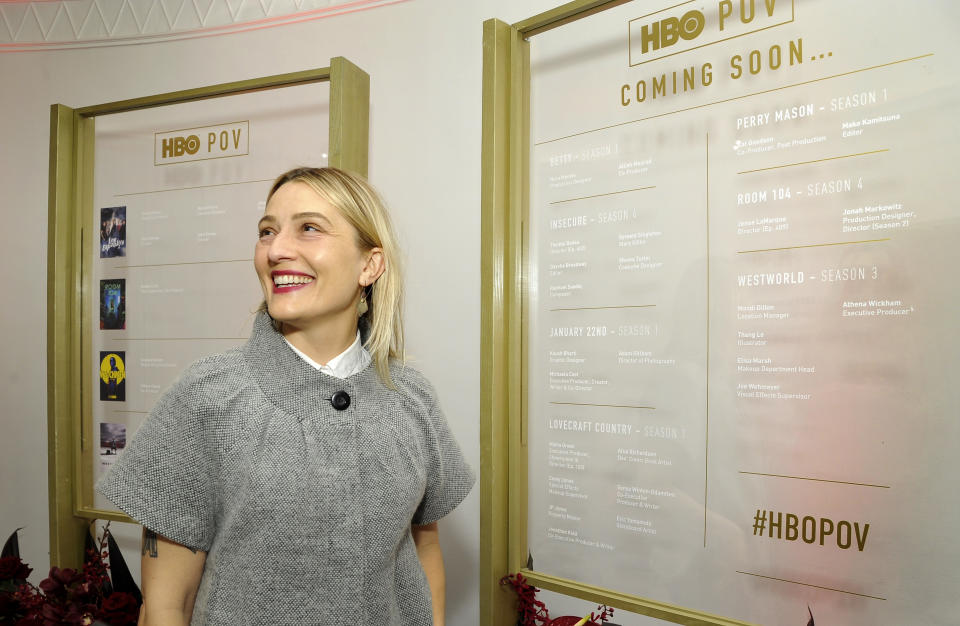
362 307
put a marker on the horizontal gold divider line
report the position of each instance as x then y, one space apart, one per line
815 245
842 156
749 95
176 338
184 263
796 582
819 480
614 406
597 308
226 156
242 182
600 195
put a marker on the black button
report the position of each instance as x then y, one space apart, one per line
340 400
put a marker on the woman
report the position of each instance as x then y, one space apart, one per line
299 479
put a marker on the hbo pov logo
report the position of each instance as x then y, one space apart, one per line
179 146
669 31
672 30
200 143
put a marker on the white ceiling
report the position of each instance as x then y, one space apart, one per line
58 24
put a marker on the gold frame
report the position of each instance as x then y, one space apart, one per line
69 406
503 427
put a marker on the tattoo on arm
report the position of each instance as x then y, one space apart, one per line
149 543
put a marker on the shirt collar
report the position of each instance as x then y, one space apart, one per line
296 388
352 360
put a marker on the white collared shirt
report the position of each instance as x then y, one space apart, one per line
352 360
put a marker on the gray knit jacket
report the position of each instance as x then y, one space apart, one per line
304 510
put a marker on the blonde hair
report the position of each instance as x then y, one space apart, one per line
361 205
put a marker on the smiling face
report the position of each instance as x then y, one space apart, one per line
309 263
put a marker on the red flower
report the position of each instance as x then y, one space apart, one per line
12 568
66 576
530 611
119 609
67 597
59 580
52 614
58 615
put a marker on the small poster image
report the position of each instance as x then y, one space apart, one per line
113 232
113 309
113 377
113 439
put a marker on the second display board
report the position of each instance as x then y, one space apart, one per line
740 335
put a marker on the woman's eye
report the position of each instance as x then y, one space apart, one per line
264 232
311 228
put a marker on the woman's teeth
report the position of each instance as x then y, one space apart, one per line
281 280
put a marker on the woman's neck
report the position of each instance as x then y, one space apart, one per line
321 344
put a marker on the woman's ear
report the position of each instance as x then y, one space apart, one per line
373 268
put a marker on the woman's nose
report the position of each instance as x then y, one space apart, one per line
281 247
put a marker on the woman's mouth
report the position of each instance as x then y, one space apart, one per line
284 282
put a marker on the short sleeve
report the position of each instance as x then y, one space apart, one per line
164 478
449 477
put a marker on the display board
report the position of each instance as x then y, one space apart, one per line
739 313
164 193
173 231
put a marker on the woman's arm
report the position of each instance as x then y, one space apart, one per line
170 576
427 539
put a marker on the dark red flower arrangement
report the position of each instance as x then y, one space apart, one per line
66 596
533 612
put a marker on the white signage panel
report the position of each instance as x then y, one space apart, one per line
742 308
